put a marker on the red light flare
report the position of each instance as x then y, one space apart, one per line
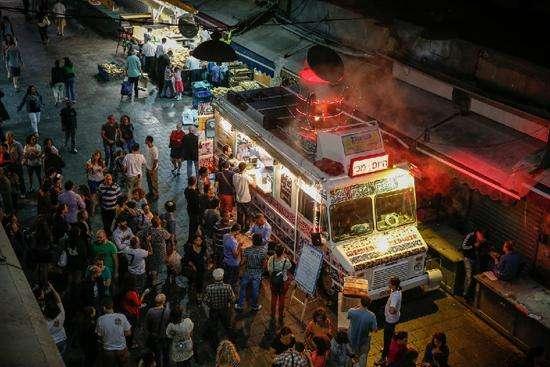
309 76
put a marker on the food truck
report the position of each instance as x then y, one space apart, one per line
322 178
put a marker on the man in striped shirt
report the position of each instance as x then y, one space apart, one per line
108 194
253 258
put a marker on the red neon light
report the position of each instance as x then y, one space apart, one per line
308 75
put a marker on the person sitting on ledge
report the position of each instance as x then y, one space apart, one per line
507 266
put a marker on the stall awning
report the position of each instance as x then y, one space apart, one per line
227 13
269 45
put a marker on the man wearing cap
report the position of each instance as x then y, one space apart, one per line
218 299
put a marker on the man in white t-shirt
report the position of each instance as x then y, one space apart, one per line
59 15
242 194
392 313
133 163
152 166
136 261
122 235
112 329
162 47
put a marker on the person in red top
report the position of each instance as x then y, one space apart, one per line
397 350
131 304
4 155
319 356
176 149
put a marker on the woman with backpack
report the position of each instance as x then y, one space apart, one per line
278 266
179 331
33 102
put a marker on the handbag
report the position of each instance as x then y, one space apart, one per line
63 259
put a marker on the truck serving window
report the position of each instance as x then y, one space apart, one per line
394 209
351 219
311 210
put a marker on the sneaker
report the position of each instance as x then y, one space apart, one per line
238 308
74 151
257 308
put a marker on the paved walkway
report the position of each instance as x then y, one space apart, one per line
471 341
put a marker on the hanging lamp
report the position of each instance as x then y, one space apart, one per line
214 50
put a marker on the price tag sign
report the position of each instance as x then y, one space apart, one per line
364 165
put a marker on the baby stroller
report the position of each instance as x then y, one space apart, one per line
126 89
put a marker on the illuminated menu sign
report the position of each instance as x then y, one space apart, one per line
366 141
361 166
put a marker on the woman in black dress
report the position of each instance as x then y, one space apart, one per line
194 263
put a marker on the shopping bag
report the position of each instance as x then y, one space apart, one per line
126 88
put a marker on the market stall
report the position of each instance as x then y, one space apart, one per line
520 309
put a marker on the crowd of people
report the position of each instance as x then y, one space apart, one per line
123 283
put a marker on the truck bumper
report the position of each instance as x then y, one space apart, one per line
428 281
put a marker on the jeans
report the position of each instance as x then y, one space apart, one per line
389 330
58 90
109 155
35 120
469 265
135 81
168 89
190 164
363 352
70 134
69 89
34 171
231 274
128 145
250 279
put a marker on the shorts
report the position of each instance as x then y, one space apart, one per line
178 86
176 153
60 22
15 71
94 185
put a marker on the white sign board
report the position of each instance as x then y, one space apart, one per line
361 166
309 268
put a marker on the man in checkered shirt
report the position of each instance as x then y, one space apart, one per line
293 357
218 298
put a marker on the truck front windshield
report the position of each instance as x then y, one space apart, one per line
394 209
351 219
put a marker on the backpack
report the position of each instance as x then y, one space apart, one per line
277 280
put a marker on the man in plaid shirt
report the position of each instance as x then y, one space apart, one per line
293 357
218 298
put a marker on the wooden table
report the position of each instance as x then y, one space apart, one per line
519 309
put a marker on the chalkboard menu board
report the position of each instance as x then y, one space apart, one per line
285 193
309 268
